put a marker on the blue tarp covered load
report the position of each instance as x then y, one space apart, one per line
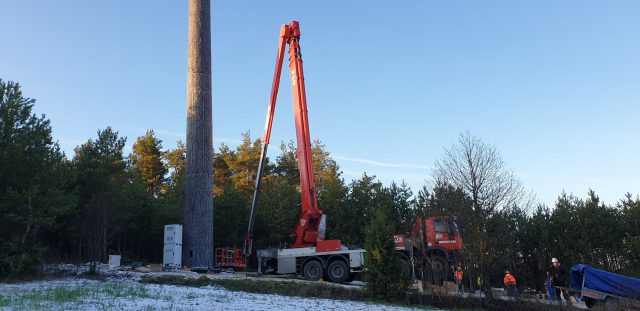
604 281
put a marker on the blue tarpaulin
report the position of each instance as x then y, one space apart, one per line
604 281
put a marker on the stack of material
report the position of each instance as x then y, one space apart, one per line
436 289
498 292
172 258
451 286
417 286
142 269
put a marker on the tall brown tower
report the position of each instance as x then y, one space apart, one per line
198 193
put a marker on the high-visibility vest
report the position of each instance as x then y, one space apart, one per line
458 275
509 280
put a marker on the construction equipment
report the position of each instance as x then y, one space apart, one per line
229 258
310 255
432 249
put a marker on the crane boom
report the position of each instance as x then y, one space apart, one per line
310 255
307 230
310 227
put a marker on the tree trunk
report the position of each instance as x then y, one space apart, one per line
198 207
103 253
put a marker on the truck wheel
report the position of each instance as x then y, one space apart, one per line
405 268
436 268
338 271
589 302
312 270
420 269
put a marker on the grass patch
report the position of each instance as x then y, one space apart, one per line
192 296
126 291
4 302
320 290
61 297
40 298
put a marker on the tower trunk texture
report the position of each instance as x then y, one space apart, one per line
198 193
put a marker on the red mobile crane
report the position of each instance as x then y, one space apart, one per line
310 254
434 243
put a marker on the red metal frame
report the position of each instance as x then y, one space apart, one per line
230 257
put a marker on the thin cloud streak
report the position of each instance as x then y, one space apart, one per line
380 163
409 178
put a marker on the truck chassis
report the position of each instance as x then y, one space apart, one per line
337 266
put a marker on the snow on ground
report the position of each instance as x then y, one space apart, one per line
124 294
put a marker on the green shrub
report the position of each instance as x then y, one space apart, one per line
18 260
385 279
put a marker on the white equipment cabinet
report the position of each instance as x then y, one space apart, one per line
172 258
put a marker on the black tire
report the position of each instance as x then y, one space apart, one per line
312 270
419 264
589 302
436 270
405 267
338 271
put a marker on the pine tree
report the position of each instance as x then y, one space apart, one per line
631 228
221 169
402 201
146 160
286 168
350 219
385 279
244 164
101 175
33 194
175 162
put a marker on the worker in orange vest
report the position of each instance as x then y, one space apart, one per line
510 283
457 276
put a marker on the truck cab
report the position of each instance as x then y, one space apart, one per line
442 231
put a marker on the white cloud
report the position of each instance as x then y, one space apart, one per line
380 163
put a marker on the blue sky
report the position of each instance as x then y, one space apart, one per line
555 85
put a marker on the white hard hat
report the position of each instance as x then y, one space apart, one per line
554 260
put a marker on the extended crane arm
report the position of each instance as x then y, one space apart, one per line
310 227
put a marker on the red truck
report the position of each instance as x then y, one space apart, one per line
432 249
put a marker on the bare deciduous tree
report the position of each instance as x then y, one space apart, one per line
478 169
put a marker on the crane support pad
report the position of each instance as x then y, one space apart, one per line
328 246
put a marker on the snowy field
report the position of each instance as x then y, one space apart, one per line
125 294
